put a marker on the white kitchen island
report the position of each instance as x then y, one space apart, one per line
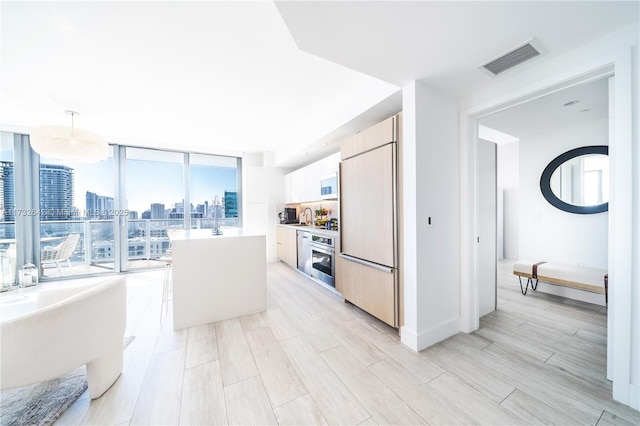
217 277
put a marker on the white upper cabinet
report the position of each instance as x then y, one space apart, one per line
303 185
287 188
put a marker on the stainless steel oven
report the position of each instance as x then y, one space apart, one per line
322 258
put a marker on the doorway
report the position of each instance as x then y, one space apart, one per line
514 147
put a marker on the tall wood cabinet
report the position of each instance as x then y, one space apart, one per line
367 268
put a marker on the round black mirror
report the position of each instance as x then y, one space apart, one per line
578 180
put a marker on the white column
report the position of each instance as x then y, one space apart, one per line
253 193
275 197
262 192
430 171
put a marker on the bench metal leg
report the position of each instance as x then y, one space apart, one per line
532 281
524 291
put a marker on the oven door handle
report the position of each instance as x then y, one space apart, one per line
322 249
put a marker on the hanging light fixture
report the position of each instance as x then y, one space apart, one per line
69 143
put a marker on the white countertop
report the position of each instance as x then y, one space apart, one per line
196 234
314 229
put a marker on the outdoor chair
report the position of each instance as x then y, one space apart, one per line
60 253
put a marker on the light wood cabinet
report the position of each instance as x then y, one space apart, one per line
367 209
380 134
368 267
370 288
287 246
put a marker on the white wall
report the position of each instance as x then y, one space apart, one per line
509 211
430 172
635 296
548 233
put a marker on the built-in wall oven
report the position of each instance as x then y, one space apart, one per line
322 258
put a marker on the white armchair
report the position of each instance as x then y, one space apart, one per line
71 326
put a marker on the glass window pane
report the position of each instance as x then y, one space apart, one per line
7 213
213 192
76 217
155 200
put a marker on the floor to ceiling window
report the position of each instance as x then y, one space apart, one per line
155 198
76 217
213 192
7 212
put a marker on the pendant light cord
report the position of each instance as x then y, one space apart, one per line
73 114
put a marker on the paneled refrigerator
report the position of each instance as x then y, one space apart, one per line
368 261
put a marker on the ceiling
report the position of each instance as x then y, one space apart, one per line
289 77
548 113
443 42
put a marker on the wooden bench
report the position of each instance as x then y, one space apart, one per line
578 277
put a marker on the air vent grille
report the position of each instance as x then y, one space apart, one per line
511 59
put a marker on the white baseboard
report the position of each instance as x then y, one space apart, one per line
424 339
634 396
409 338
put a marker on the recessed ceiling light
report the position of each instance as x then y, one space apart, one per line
571 103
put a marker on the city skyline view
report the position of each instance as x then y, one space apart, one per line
78 200
143 179
210 177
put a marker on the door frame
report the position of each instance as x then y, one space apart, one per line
620 64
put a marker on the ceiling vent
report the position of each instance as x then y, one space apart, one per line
513 57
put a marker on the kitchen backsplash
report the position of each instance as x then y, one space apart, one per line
332 207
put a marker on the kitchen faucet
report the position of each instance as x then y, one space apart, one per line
305 216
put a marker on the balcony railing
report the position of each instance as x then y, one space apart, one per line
147 240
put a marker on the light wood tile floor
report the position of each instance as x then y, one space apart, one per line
312 359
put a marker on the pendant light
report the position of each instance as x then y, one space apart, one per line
69 143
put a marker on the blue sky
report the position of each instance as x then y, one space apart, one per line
163 183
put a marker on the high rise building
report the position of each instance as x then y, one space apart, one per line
56 192
230 204
98 206
157 211
7 192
